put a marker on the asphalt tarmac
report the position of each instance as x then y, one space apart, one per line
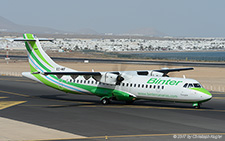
83 115
124 61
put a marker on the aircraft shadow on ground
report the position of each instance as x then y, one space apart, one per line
76 102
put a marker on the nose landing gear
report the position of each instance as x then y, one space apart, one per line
196 105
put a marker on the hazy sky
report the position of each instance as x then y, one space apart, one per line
201 18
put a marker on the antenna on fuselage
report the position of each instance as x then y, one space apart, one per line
184 76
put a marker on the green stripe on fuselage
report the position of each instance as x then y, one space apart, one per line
98 91
202 90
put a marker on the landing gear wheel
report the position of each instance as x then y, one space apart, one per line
105 101
196 105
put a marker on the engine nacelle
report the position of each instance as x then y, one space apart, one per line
108 78
155 73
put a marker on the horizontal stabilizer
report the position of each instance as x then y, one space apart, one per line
40 39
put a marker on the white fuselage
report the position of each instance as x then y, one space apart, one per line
151 87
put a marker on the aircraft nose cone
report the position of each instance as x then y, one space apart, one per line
209 96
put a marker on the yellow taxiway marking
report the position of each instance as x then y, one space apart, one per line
3 97
148 107
14 93
152 135
18 80
23 95
217 93
6 104
218 97
140 135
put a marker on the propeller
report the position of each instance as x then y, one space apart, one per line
119 69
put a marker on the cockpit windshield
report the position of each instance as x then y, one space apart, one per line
197 85
192 85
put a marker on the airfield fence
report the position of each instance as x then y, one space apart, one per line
209 87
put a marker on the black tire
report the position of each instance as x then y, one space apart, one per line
197 107
105 101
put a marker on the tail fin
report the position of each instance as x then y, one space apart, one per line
39 61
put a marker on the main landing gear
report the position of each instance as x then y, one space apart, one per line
196 105
105 101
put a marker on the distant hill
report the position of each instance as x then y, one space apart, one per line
8 26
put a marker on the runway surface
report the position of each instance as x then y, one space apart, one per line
126 61
29 102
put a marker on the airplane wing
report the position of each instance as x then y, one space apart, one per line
163 71
110 77
167 70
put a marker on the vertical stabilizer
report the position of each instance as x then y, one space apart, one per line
39 61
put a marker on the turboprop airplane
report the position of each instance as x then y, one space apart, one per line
125 86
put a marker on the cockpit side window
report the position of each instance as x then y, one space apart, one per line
190 85
197 85
185 85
